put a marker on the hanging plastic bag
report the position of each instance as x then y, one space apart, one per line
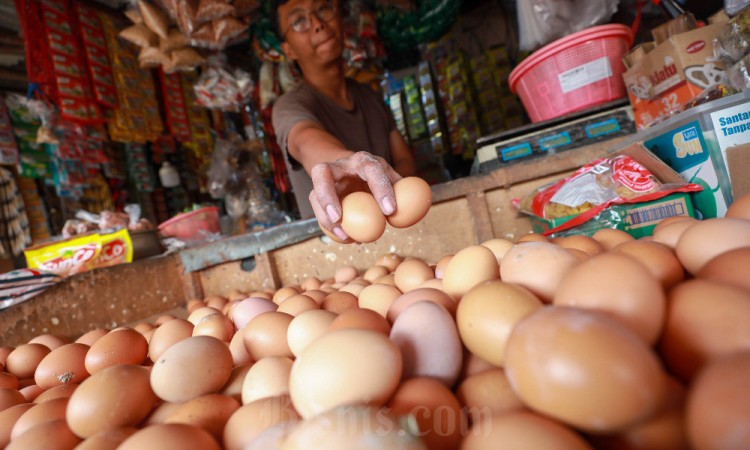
543 21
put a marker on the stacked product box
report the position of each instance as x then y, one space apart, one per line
498 108
454 89
431 110
700 143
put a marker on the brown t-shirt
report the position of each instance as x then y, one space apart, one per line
365 127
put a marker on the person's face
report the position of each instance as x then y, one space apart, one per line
311 31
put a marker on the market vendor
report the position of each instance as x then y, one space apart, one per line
337 135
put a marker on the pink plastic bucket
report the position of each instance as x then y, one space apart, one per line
573 73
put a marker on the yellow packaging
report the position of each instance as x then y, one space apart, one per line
82 253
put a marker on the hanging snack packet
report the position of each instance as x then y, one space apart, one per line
186 59
176 39
151 58
140 35
154 18
213 9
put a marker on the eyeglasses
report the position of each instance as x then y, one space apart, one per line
301 21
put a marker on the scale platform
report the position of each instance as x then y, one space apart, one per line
568 132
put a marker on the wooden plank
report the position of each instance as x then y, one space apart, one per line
224 278
191 285
101 298
477 204
266 267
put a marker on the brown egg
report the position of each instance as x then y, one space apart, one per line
8 381
418 295
411 273
532 237
664 431
236 294
210 412
433 284
487 314
92 336
143 327
468 268
375 272
378 297
38 414
729 267
610 238
217 302
338 302
441 265
268 377
52 435
125 346
413 201
50 341
317 295
250 420
435 408
161 413
193 367
583 243
65 364
161 320
474 365
537 266
499 247
740 208
307 327
24 359
167 335
237 348
361 217
8 418
389 261
118 396
200 313
705 320
487 394
195 304
511 429
215 325
718 405
107 439
426 334
10 397
580 254
659 259
705 240
389 279
284 293
362 318
332 372
171 436
247 309
584 368
4 352
618 285
61 391
324 430
345 274
310 284
671 232
31 392
297 304
265 335
354 288
233 387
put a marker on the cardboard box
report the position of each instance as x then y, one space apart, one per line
672 73
738 163
637 219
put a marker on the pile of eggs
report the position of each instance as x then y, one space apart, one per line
572 343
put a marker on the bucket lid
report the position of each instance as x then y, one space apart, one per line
565 43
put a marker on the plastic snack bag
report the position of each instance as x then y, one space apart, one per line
20 285
594 187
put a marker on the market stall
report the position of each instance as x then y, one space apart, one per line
569 272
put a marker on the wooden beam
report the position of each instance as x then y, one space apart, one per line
480 212
266 268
